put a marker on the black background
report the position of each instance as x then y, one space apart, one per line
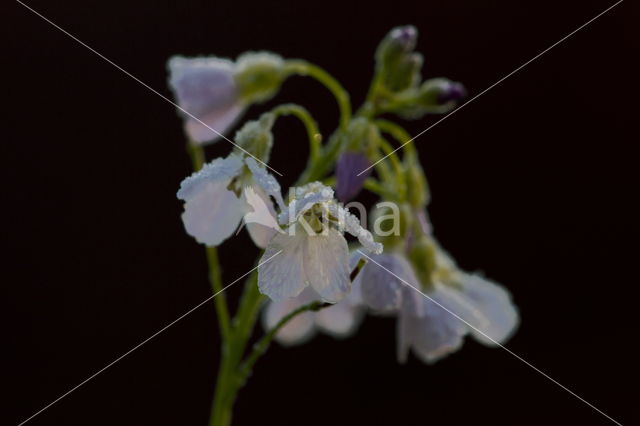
534 183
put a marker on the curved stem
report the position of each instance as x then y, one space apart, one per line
304 68
400 135
376 187
315 137
262 345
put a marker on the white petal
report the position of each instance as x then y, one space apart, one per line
306 201
495 305
265 180
212 213
282 274
220 120
351 224
297 330
261 217
220 169
340 320
326 265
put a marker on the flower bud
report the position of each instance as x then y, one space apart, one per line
399 41
398 66
441 92
423 259
417 189
359 139
349 183
256 137
259 75
391 223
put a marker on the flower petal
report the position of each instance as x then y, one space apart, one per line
261 217
205 88
351 224
213 213
432 336
220 169
306 201
340 320
265 180
281 274
297 330
380 286
326 265
494 303
220 120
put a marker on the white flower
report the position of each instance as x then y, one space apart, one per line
205 87
313 251
340 320
225 190
434 318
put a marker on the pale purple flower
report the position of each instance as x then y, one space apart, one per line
434 318
213 211
206 89
348 183
340 320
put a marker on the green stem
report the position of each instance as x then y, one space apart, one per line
304 68
314 135
244 370
400 135
216 283
371 184
233 349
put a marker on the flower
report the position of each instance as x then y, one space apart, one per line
205 88
223 192
434 317
213 93
340 320
313 251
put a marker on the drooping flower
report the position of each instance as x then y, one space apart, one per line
225 190
312 252
215 92
340 320
205 88
435 316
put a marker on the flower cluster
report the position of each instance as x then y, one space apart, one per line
304 232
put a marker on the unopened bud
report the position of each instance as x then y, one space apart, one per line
259 75
352 169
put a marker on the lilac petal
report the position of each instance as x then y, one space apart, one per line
205 88
349 183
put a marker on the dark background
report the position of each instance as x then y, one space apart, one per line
534 183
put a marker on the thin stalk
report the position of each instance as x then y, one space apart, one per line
314 135
262 345
304 68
